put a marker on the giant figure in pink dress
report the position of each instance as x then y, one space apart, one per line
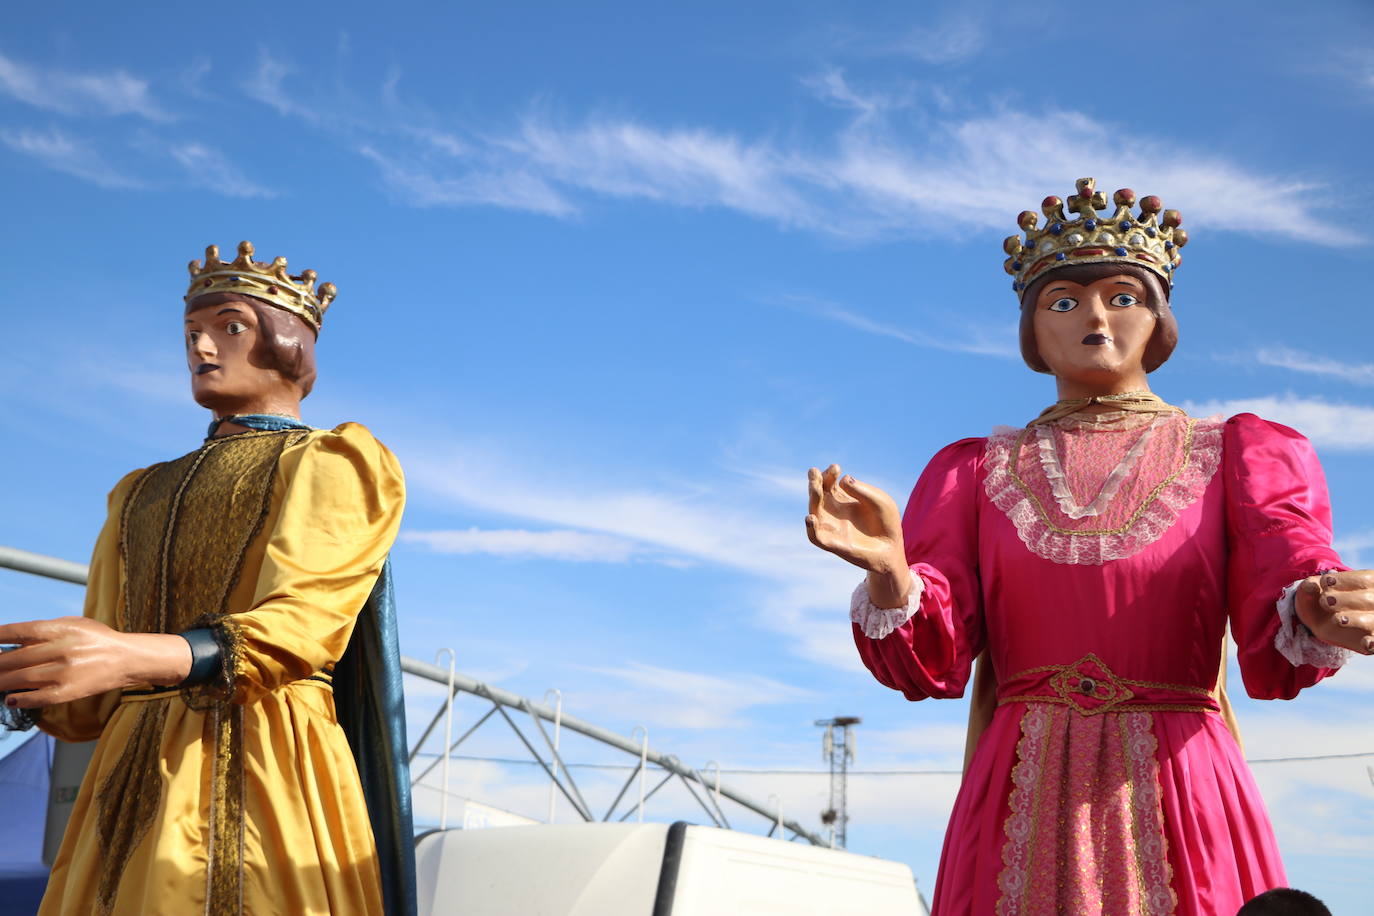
1094 559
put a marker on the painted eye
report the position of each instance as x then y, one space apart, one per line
1124 300
1063 305
192 337
236 327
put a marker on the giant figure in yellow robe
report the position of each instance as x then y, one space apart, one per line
223 588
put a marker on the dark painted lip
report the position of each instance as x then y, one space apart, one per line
1097 340
205 367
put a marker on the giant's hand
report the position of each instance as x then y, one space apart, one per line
1338 607
860 523
73 657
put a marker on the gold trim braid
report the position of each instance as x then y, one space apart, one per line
184 533
1015 460
128 799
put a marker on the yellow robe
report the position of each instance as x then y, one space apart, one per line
293 827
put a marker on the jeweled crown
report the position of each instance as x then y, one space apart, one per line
296 294
1151 239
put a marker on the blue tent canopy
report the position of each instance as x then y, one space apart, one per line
24 789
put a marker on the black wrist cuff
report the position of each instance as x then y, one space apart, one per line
207 658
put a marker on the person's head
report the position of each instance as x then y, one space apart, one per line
242 351
1071 274
250 333
1284 901
1094 322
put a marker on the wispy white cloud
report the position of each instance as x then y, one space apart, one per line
418 184
776 481
210 169
1315 364
799 591
112 93
691 167
1336 426
939 40
688 699
70 155
834 87
892 169
957 38
1357 549
873 179
203 166
266 84
973 339
574 546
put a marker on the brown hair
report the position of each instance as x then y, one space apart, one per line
285 342
1162 341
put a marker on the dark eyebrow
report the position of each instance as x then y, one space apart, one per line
228 310
1055 289
1127 282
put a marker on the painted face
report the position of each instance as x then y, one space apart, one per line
221 352
1096 333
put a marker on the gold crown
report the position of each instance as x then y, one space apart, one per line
1151 240
271 282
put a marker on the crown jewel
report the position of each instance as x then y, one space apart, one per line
270 282
1152 239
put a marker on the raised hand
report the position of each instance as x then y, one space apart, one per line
1338 607
861 524
73 657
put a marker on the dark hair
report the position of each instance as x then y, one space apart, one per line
1284 901
1162 341
285 342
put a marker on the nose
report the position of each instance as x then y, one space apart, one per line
1096 313
203 348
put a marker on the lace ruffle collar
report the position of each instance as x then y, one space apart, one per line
1044 524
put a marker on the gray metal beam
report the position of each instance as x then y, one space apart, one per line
40 565
667 762
67 571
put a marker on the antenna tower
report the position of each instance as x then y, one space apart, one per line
838 747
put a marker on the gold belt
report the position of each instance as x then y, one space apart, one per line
1092 688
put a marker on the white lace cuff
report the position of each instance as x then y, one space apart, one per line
1296 643
878 622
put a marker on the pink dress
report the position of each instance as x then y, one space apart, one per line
1098 561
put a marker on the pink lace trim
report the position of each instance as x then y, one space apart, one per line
878 622
1085 831
1059 481
1296 643
1155 873
1058 542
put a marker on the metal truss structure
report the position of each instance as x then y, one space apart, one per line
542 748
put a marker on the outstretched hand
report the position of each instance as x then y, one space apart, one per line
861 524
1338 607
69 658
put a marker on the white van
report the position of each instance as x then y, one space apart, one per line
651 870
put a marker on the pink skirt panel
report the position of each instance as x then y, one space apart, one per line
1218 840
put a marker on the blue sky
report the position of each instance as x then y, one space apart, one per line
612 276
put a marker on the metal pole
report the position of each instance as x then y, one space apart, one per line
503 697
557 727
448 732
643 765
777 809
54 568
40 565
709 764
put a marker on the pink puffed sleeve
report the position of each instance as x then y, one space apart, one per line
931 653
1278 526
